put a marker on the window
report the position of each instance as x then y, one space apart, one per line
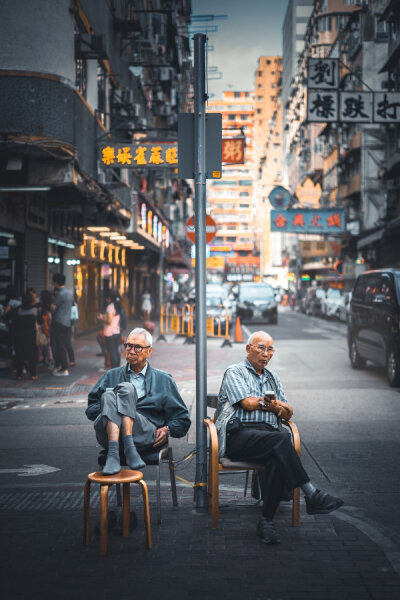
381 29
272 72
231 117
81 76
260 86
258 111
259 73
243 194
272 85
244 205
268 62
237 94
259 98
101 92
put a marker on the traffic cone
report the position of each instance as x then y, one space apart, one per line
238 332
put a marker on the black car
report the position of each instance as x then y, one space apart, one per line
374 322
256 303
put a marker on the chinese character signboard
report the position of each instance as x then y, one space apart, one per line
387 107
233 150
323 73
307 221
322 106
356 107
308 194
155 154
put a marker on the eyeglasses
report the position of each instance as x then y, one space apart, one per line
262 349
136 347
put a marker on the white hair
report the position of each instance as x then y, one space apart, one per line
140 331
255 334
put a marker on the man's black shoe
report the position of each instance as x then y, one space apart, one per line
267 533
321 503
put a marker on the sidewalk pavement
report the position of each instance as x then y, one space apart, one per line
42 556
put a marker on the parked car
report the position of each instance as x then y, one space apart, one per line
256 303
311 301
330 303
373 331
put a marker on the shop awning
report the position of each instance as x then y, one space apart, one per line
370 239
175 256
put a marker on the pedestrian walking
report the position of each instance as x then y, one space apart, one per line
112 331
61 324
24 337
44 318
147 305
69 346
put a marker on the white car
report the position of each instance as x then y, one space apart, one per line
330 304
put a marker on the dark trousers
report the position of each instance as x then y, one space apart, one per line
112 345
69 347
26 352
272 448
60 338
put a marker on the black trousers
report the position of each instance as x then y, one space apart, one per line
60 339
272 448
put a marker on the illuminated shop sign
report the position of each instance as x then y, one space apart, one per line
155 154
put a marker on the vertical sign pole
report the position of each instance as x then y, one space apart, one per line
200 232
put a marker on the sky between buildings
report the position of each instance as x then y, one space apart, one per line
253 28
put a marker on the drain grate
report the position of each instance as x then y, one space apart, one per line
60 500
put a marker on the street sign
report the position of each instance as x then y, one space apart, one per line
211 229
279 197
213 150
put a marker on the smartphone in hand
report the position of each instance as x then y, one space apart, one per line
269 395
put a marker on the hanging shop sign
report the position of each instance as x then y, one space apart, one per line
308 221
308 194
233 150
323 73
326 104
154 154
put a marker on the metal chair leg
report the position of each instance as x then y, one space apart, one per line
171 466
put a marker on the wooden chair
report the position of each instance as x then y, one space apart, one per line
124 477
219 465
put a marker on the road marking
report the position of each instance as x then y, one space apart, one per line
30 470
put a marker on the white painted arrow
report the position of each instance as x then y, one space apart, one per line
31 470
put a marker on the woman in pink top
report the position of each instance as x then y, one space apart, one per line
112 332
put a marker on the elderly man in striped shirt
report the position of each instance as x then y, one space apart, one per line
250 402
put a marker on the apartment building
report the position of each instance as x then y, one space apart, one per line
230 199
73 75
267 156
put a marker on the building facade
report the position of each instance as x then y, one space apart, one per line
75 74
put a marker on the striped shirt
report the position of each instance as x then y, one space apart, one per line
235 387
138 381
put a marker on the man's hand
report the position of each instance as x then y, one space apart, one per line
161 437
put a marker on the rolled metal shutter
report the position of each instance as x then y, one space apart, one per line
36 259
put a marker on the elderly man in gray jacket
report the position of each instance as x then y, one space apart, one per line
137 405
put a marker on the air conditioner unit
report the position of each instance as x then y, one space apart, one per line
136 110
90 46
128 96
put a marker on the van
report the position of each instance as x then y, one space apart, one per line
256 303
373 331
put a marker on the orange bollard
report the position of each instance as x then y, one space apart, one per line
238 332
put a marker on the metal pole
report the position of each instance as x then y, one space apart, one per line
200 233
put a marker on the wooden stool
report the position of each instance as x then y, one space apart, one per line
126 477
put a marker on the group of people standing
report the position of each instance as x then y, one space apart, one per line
40 328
